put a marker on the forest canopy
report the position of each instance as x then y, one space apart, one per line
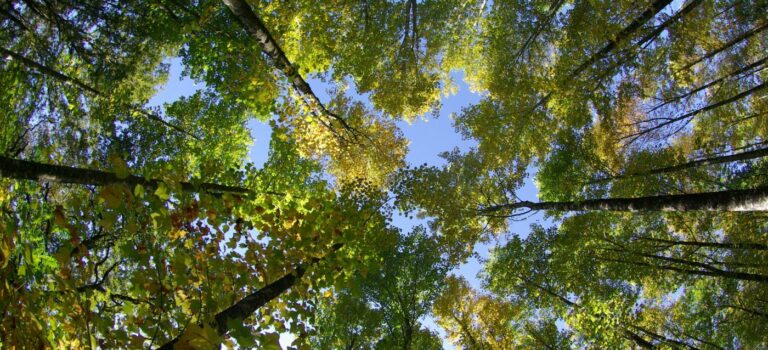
130 224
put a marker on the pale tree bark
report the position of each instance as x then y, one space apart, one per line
751 200
256 28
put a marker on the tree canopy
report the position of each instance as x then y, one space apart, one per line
125 223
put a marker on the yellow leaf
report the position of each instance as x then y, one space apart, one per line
162 191
138 191
176 234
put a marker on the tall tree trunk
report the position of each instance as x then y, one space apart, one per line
711 83
640 341
84 86
466 332
744 276
762 25
669 121
254 25
751 200
555 8
725 245
758 153
26 170
622 36
238 312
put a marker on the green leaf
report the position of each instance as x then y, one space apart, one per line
138 191
162 191
270 341
119 166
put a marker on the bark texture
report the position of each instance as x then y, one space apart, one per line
27 170
622 36
238 312
758 153
751 200
247 306
254 25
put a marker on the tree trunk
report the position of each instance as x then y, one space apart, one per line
751 200
258 30
247 306
711 83
758 153
238 312
82 85
26 170
623 35
50 71
744 276
726 245
739 38
555 8
691 114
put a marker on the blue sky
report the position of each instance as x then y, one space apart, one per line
428 138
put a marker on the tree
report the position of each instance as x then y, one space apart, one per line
481 321
383 303
128 224
732 200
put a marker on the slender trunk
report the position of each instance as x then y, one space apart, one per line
691 114
548 291
663 338
254 25
720 273
758 153
640 341
751 311
739 38
711 83
623 35
663 26
238 312
50 71
731 245
26 170
682 333
351 345
751 200
539 28
82 85
648 38
407 337
537 337
466 332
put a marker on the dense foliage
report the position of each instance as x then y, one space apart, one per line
129 225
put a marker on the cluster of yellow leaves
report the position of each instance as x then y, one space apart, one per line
474 321
372 149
